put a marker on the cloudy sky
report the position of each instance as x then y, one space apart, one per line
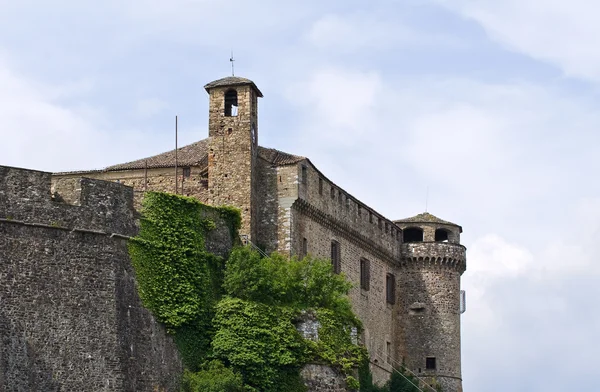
492 105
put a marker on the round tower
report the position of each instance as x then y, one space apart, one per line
428 319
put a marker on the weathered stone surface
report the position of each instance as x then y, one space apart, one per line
323 378
70 316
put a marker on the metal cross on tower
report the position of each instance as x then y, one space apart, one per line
231 59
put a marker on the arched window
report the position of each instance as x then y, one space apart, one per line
413 234
231 103
441 235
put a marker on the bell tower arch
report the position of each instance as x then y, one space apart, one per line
233 144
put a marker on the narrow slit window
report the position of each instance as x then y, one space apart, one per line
304 247
304 175
336 257
320 186
365 274
390 289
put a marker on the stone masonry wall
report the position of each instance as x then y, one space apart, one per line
70 316
159 180
429 311
325 213
232 154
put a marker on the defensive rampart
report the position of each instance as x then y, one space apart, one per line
70 316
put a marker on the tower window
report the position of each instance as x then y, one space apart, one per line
430 363
336 257
441 235
365 274
413 234
231 103
390 288
304 175
304 247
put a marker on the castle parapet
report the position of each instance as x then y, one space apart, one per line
434 254
26 196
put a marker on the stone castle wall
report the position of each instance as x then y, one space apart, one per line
325 213
156 179
70 316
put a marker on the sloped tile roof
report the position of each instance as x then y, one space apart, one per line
278 158
425 217
232 81
196 154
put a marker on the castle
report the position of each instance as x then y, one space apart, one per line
406 273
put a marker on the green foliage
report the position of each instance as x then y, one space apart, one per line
281 288
399 382
258 340
335 342
177 279
277 280
213 377
241 313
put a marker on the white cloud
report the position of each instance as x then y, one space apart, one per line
40 133
559 32
347 33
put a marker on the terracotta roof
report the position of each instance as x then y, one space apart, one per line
425 217
196 154
232 81
278 158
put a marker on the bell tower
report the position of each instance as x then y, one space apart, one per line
233 144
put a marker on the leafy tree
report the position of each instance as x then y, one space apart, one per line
213 377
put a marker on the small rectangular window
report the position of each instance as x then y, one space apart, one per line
390 288
370 217
187 172
430 363
304 175
340 197
304 247
332 192
365 274
336 257
388 347
320 186
379 224
347 203
387 227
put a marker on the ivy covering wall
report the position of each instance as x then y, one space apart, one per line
234 320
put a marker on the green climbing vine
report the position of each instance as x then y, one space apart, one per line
235 321
177 279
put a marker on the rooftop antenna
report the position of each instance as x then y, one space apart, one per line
176 154
231 60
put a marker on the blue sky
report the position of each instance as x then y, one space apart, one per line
492 105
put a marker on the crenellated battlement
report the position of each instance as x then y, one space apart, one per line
86 204
434 254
